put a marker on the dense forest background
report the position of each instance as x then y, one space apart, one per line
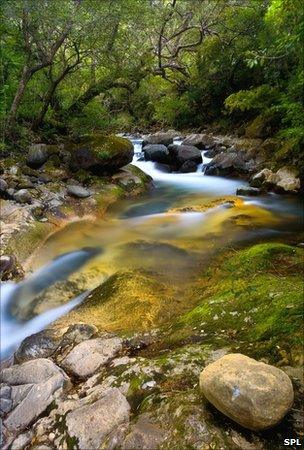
71 67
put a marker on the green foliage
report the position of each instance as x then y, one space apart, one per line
253 99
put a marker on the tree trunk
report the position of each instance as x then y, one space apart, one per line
25 77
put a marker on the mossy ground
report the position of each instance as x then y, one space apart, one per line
253 302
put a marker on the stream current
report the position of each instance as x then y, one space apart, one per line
172 230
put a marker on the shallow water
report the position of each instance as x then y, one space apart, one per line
173 230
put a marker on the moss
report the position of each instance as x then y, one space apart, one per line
105 147
254 304
23 243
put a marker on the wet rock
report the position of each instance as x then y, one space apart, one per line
78 191
101 155
247 190
91 424
254 394
160 138
45 343
5 391
227 163
89 356
183 153
188 167
265 176
157 153
38 154
9 268
23 196
44 381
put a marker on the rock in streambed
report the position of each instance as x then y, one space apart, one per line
254 394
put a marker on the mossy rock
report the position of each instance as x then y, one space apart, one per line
129 301
254 304
100 154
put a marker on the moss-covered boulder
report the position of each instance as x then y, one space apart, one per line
101 155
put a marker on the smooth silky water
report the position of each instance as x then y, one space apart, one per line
171 231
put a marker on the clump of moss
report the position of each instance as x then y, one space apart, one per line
104 147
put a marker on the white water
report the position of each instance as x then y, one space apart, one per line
195 181
14 331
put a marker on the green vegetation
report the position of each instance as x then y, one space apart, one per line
76 67
254 304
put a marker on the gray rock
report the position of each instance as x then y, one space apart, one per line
144 434
227 163
253 394
91 424
22 441
188 167
48 380
35 371
164 138
200 140
5 391
78 191
3 185
46 342
247 190
284 180
23 196
5 405
157 153
185 153
89 356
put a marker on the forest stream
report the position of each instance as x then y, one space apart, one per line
172 231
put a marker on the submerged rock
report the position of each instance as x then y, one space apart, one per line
91 424
101 155
89 356
254 394
247 190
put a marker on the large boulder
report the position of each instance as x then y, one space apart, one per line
254 394
183 153
157 153
164 138
227 163
89 356
101 155
91 424
38 154
33 387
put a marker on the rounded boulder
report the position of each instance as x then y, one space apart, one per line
253 394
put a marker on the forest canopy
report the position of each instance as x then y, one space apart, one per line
79 66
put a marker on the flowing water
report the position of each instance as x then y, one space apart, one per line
173 231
